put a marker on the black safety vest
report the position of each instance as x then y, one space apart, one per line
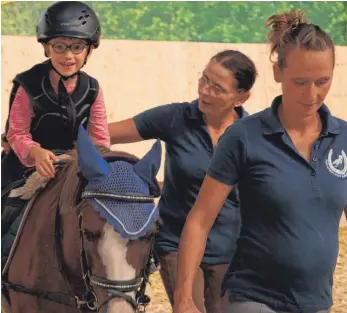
50 126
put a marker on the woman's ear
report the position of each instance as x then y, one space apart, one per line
277 73
243 96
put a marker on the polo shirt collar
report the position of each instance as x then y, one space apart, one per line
192 111
272 124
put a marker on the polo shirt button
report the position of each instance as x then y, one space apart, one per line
316 146
314 159
313 173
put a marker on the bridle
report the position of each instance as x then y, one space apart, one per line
116 288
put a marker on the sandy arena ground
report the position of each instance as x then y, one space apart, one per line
160 303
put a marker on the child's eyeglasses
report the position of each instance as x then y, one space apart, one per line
75 48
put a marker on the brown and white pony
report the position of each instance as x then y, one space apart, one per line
68 255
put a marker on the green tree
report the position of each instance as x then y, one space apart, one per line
185 21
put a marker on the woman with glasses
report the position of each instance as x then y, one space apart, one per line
191 131
49 101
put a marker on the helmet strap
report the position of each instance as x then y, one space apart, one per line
74 74
86 58
64 99
61 75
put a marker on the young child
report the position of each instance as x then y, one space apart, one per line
49 101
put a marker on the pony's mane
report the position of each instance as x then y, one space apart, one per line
73 182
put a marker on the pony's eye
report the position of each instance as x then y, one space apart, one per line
90 236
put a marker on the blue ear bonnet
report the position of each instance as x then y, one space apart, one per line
130 219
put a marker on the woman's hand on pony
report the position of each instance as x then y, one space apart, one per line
43 161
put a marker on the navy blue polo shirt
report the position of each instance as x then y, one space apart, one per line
188 152
290 210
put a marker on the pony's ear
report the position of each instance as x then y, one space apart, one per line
147 168
92 166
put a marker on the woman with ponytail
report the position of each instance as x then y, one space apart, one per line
49 101
290 165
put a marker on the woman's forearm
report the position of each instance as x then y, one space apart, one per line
191 251
124 132
194 236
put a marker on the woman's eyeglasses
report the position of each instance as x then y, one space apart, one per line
75 48
215 89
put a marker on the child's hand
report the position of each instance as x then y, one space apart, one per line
4 144
43 161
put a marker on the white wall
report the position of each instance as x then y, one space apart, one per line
137 75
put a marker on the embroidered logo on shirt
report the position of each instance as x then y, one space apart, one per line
337 166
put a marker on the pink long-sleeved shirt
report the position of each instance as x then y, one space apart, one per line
19 136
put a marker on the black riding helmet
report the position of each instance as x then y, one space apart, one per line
73 19
69 19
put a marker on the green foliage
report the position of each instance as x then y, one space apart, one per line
238 22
